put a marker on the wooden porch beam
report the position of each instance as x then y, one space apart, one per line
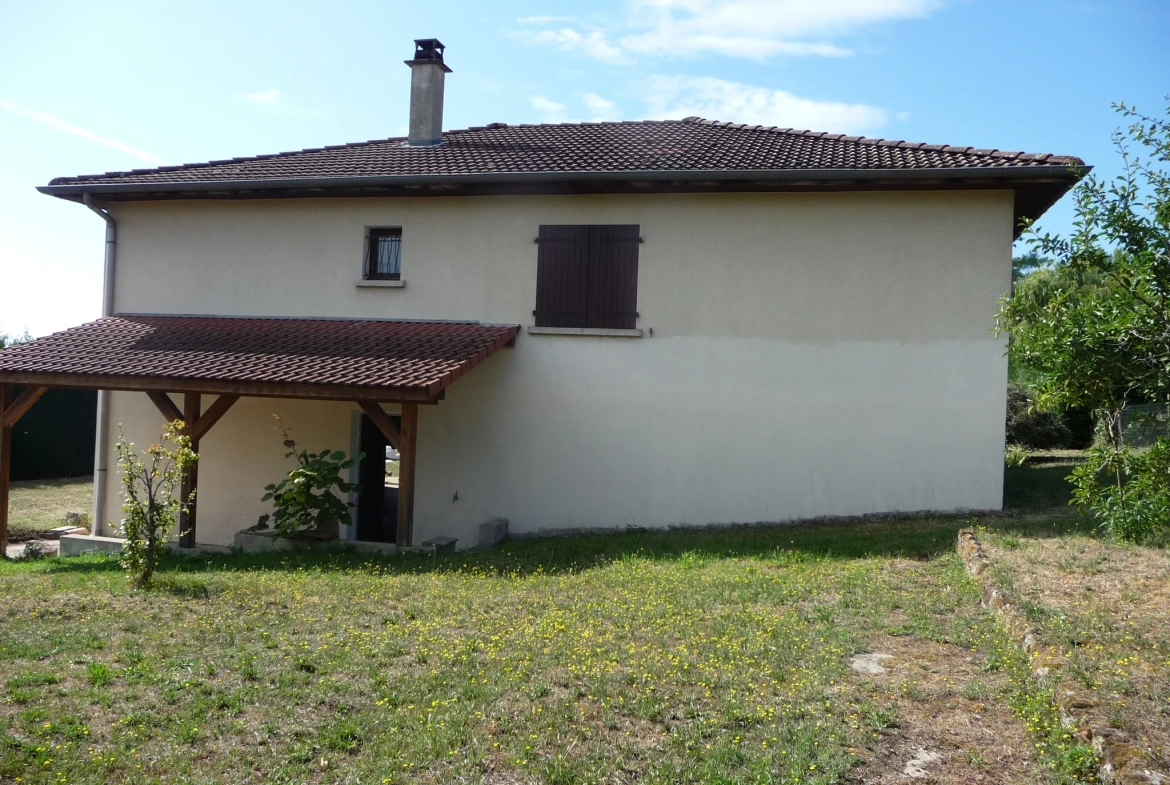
190 482
379 417
165 405
212 415
406 461
308 391
16 409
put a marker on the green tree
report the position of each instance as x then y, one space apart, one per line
1095 325
1025 265
12 340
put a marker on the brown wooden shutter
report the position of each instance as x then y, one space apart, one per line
562 276
613 276
587 276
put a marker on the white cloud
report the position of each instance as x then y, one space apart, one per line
752 29
593 44
553 111
600 108
61 125
592 107
717 99
270 96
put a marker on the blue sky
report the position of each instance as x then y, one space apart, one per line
92 87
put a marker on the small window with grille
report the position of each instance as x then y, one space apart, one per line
383 260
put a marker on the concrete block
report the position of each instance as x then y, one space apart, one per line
441 544
75 545
493 532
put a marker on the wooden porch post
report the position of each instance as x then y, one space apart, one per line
190 481
195 426
5 466
11 410
408 439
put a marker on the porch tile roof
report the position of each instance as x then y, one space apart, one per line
317 358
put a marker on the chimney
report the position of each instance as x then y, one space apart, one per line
426 92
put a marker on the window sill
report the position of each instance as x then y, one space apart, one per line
363 283
602 332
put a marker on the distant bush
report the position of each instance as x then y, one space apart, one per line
1015 456
1030 427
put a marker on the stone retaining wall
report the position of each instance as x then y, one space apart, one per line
1122 762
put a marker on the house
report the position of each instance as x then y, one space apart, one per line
572 326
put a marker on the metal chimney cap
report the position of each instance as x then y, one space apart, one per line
428 51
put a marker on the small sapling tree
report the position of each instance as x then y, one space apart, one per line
149 499
307 500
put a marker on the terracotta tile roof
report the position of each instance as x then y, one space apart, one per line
689 145
382 360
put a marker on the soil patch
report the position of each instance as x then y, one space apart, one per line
943 720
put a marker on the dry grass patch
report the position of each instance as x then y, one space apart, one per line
939 716
1107 606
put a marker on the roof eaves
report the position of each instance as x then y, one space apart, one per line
1029 172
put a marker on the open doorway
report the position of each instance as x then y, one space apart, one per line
377 504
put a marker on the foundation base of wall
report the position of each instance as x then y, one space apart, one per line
267 541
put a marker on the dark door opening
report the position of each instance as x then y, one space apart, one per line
377 509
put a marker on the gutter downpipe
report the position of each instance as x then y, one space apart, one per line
102 437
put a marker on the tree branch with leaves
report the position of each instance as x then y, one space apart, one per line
1098 330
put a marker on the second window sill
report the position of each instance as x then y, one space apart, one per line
603 332
373 283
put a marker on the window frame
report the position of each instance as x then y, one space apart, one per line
372 237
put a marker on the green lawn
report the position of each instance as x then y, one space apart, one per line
38 505
695 657
1039 485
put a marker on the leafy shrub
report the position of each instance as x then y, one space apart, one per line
1031 427
149 500
1015 456
307 500
1127 490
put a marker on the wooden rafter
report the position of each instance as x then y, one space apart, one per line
382 420
212 415
15 410
165 405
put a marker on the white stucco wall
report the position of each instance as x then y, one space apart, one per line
813 354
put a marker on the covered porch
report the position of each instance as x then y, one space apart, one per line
196 368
